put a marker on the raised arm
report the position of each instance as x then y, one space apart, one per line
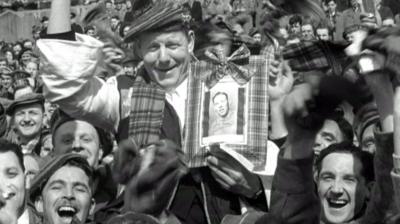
70 69
59 21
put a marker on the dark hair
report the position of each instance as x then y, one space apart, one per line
295 19
7 146
327 1
87 28
84 165
344 126
220 93
365 158
80 163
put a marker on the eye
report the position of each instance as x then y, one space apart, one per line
173 45
350 179
67 140
87 139
56 187
11 173
81 188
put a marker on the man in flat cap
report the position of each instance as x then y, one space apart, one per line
153 108
27 114
62 190
70 135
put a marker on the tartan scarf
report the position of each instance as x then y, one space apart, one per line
146 104
222 66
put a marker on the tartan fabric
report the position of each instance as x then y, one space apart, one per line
228 65
257 115
154 16
313 55
146 111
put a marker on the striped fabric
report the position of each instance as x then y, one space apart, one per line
153 17
255 149
228 65
146 114
313 55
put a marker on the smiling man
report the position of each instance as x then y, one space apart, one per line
62 190
27 114
150 109
344 175
12 183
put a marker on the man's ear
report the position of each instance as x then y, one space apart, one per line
315 176
191 37
101 152
137 50
369 186
92 207
39 204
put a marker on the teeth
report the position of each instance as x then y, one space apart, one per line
66 209
337 201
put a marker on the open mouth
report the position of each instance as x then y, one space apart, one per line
67 212
165 69
337 203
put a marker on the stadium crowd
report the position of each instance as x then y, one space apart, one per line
105 118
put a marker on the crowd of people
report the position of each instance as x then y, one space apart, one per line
137 111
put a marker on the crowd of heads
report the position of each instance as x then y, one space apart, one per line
56 156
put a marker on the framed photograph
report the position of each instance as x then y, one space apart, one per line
230 112
223 113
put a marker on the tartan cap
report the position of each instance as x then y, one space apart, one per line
366 116
27 99
49 165
157 16
315 55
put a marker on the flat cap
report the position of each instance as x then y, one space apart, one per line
49 166
27 99
156 16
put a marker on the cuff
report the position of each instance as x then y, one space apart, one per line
294 176
70 35
384 144
396 164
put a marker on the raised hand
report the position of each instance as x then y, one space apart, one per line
280 80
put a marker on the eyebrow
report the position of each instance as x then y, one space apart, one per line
328 134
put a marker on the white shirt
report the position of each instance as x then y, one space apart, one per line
24 218
177 98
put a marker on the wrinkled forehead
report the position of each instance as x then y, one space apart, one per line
69 175
342 163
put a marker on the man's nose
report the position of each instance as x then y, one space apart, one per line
337 187
69 193
76 144
163 55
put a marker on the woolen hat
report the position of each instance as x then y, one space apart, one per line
156 16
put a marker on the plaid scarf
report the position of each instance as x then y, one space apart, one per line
144 104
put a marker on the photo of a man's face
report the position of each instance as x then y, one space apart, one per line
223 116
221 104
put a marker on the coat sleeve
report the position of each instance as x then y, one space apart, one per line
69 71
293 197
381 204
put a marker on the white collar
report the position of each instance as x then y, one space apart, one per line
180 90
